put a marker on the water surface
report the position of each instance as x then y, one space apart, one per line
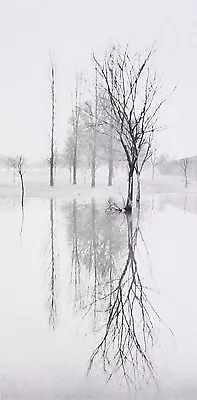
58 265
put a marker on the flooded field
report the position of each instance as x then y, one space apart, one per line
78 296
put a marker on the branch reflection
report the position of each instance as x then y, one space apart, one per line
108 283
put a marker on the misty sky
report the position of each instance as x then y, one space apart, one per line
31 30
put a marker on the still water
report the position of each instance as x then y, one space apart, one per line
64 272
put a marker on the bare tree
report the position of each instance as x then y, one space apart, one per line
108 132
132 91
90 113
95 132
68 155
156 160
76 112
90 139
18 163
184 165
52 135
98 137
110 163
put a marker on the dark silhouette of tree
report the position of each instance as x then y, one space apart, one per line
132 91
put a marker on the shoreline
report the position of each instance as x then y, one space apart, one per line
84 191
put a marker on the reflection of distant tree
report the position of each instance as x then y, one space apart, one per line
152 208
186 203
52 300
109 282
95 245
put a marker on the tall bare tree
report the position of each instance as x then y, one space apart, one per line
132 91
76 113
91 130
95 133
52 134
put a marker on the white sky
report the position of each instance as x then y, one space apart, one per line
31 29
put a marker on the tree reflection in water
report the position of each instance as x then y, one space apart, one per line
108 283
52 299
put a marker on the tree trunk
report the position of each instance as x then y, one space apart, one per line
85 174
93 169
75 167
70 172
110 264
51 171
138 194
129 203
110 165
111 173
52 126
22 189
22 221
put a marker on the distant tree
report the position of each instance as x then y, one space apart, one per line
89 139
67 157
52 134
90 113
72 154
95 133
110 161
109 143
111 153
156 160
184 165
18 164
76 114
100 143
